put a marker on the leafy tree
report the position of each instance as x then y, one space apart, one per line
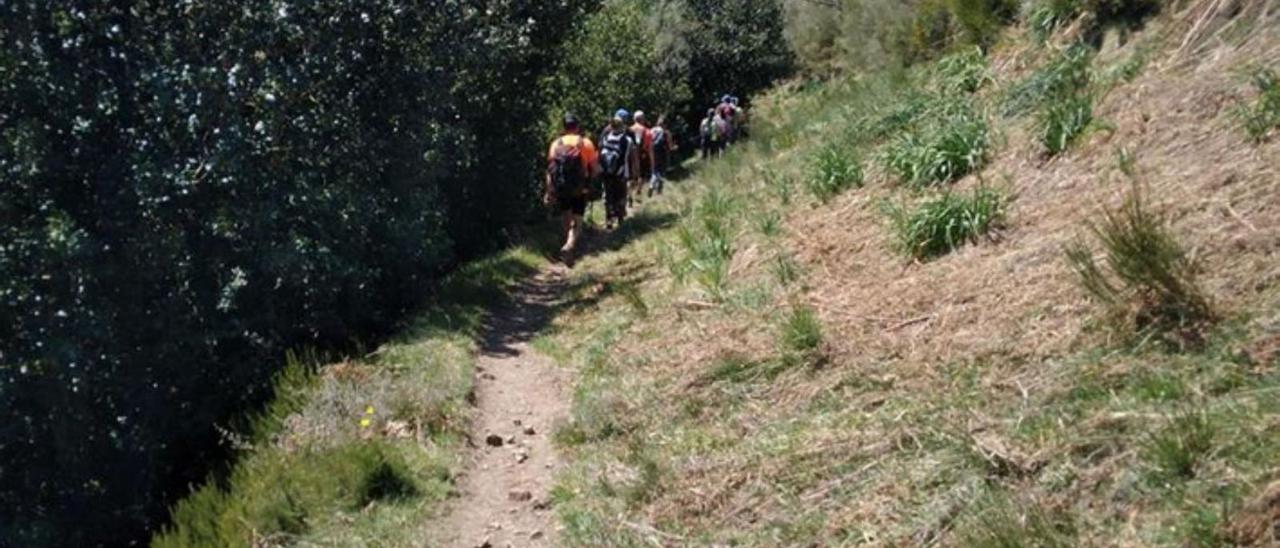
188 190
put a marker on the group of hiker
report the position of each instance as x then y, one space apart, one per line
631 156
723 125
628 161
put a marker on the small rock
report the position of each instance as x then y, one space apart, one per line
522 456
486 543
511 440
520 496
493 440
535 535
516 422
529 431
542 505
488 377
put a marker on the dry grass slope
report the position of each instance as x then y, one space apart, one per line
977 397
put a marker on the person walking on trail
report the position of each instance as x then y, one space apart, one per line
617 159
707 134
663 146
720 128
644 153
572 164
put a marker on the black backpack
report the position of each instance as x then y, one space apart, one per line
613 153
568 172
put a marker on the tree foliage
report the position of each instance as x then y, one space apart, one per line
187 190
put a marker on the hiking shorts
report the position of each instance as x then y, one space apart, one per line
576 204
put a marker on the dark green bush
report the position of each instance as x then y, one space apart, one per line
188 190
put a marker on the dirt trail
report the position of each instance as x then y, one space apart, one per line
505 492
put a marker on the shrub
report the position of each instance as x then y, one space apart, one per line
1264 115
953 143
946 222
1063 121
1065 75
832 172
963 72
1146 279
941 24
1047 16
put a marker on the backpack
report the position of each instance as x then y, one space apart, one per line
659 140
709 130
568 171
613 153
637 137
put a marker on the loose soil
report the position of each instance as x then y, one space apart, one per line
519 395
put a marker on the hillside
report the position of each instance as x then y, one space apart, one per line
1020 296
775 370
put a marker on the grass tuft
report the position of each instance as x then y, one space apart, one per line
999 521
833 171
801 330
1263 116
955 143
1146 278
963 72
1067 74
1065 120
946 222
1177 449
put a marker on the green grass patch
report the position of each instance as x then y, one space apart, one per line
801 330
998 520
280 495
1263 115
945 222
1066 74
1175 450
833 171
953 141
963 72
706 236
1063 121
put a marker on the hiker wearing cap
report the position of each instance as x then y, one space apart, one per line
643 137
663 145
572 164
617 163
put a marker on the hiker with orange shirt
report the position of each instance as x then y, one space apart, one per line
572 164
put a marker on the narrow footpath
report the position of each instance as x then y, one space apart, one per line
520 395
